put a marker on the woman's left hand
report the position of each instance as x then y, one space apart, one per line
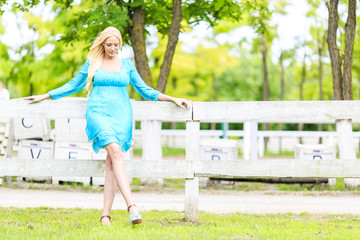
182 102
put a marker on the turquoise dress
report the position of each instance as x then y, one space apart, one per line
109 117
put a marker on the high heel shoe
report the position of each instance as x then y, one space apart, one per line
137 216
106 216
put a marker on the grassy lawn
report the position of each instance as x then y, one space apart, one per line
48 223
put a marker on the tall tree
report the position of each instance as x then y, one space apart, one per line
132 17
169 17
342 84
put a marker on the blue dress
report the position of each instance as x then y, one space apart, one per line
109 115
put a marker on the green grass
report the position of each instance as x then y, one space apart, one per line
47 223
167 151
177 183
339 186
279 154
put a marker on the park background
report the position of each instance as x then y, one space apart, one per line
228 51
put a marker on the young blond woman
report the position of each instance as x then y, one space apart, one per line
108 114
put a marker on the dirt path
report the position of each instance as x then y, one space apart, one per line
218 202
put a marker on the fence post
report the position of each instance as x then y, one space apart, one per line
9 146
250 140
151 146
346 146
192 184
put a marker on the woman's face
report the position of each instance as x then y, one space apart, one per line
111 46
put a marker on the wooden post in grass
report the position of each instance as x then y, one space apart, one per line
346 146
9 146
192 184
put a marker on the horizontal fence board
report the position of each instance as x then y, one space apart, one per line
278 168
276 111
94 168
164 111
75 108
64 108
160 169
185 169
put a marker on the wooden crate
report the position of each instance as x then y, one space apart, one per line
315 151
33 149
70 130
25 128
72 150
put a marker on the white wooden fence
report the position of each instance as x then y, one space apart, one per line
193 167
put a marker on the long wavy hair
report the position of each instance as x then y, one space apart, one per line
97 53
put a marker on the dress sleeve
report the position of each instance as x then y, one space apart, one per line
74 85
140 86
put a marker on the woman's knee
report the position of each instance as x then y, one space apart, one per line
108 163
114 151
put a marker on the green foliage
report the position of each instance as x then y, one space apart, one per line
90 17
227 72
241 83
212 11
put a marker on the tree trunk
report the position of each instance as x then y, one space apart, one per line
281 60
349 48
303 78
266 90
137 37
170 48
320 126
282 95
343 126
31 89
334 50
359 124
213 98
321 94
10 76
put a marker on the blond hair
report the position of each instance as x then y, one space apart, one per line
97 53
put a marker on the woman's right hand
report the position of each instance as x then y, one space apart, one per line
37 98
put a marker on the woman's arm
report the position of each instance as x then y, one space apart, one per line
38 98
149 93
181 102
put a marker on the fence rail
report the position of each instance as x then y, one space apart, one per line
193 167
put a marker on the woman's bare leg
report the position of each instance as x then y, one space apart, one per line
118 166
109 189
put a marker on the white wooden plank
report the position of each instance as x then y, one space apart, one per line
192 140
276 111
75 108
346 140
346 146
151 146
250 140
279 168
164 111
9 143
94 168
192 184
63 108
260 133
191 199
